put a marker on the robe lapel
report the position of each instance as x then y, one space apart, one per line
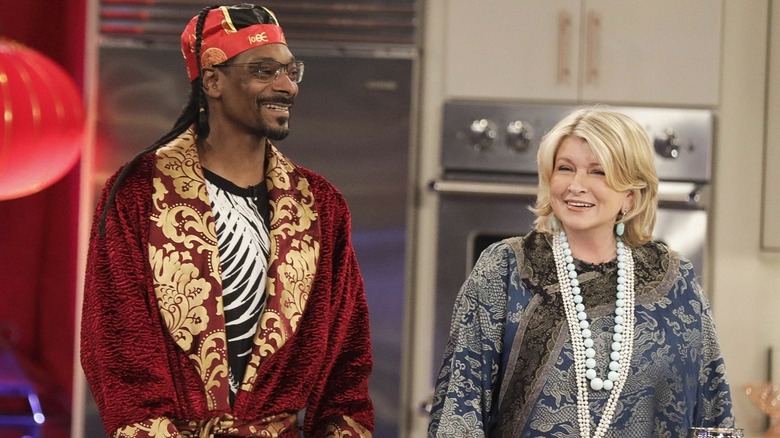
184 258
295 247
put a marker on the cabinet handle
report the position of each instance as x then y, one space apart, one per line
564 30
591 60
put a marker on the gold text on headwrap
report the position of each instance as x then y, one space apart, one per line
258 38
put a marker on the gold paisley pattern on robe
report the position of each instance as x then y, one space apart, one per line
184 258
346 427
225 425
154 428
295 248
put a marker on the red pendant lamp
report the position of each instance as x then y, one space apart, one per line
42 124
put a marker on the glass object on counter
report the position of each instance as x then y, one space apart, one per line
767 397
714 432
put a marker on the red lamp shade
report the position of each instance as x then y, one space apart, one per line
42 124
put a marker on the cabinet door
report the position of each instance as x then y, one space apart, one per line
770 234
505 49
664 52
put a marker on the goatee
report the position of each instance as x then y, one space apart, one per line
282 130
278 133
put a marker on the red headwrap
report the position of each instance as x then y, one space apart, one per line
228 31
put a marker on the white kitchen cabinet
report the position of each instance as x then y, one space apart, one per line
511 48
661 52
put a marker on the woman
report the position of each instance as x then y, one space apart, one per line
584 327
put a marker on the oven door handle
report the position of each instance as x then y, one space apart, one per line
690 194
483 188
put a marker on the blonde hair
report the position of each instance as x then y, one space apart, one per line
624 151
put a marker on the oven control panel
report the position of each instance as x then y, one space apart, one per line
503 137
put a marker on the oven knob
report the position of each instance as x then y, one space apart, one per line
667 146
519 135
482 133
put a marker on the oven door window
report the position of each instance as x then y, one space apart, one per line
480 241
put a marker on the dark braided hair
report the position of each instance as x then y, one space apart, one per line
196 110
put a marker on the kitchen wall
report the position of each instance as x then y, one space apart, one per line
744 280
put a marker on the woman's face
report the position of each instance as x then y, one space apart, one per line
581 198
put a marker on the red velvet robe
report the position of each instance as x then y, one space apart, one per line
152 339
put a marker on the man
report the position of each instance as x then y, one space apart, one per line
223 296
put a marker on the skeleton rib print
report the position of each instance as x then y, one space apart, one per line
243 240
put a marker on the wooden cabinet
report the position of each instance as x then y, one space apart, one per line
663 52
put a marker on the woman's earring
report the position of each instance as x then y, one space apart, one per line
620 228
554 223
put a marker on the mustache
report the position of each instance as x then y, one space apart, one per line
278 99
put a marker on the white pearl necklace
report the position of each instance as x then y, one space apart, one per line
581 336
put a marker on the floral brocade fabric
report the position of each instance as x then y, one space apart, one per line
508 367
185 263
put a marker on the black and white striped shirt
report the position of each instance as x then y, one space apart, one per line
242 218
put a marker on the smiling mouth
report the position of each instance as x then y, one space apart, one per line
578 204
275 107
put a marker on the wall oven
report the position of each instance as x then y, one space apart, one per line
489 180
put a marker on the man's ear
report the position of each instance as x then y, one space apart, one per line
211 82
